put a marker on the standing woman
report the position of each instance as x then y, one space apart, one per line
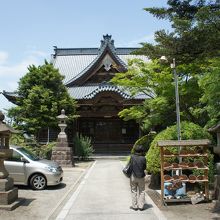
137 183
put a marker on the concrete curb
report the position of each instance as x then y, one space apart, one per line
156 210
72 188
63 213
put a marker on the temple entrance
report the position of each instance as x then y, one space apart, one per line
108 131
108 134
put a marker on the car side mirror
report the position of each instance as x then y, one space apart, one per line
24 160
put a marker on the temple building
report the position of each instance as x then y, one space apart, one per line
87 74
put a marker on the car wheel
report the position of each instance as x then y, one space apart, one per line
38 182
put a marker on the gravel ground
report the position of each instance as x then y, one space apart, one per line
39 205
186 211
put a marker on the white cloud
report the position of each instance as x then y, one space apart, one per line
3 57
11 73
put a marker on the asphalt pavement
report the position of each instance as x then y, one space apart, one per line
90 190
43 204
104 194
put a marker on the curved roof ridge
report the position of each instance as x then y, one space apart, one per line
107 87
90 51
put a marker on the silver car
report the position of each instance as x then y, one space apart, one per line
27 169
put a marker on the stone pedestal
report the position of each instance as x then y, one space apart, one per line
63 155
9 195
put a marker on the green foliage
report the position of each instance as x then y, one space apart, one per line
83 146
194 40
210 166
42 96
156 82
144 77
210 84
42 151
18 140
189 131
144 141
195 34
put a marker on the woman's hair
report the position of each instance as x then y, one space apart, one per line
139 149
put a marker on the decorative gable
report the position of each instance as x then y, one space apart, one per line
103 67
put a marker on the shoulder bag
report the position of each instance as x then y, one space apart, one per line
128 169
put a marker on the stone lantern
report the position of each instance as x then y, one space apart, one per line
8 193
62 137
62 153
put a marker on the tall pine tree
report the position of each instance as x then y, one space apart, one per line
195 34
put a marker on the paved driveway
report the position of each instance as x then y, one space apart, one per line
104 194
40 205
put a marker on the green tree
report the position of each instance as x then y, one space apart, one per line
193 41
156 81
210 84
195 32
42 96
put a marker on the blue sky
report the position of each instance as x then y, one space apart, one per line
30 29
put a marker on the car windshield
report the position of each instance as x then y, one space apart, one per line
28 154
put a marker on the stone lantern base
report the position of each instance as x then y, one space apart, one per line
63 155
8 194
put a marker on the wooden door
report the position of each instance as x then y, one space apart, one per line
108 131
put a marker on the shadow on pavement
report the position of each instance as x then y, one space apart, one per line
26 202
216 208
60 186
147 206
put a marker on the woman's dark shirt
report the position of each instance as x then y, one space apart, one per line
138 165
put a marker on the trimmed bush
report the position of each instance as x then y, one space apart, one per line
144 141
189 131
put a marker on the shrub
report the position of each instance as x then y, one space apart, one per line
42 151
144 141
17 139
84 148
45 151
189 131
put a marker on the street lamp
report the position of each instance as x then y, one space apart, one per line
173 66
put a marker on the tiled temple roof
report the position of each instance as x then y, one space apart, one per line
74 62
